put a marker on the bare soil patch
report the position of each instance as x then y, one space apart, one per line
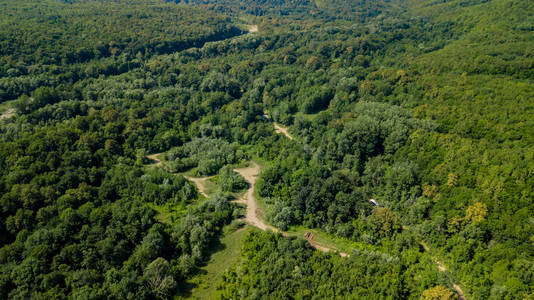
7 114
250 174
155 158
282 130
252 28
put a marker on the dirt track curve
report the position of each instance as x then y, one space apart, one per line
277 128
252 28
250 174
7 114
154 157
200 183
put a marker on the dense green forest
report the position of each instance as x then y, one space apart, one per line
426 107
289 268
50 44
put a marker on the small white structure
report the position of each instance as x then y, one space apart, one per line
374 202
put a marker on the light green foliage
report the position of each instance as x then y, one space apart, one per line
230 181
158 278
209 155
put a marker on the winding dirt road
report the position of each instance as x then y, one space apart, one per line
200 183
155 158
250 174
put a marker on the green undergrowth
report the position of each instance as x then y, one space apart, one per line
224 255
330 241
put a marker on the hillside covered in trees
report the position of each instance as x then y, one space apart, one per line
424 107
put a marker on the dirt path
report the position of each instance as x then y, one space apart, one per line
442 268
155 158
459 291
7 114
250 174
277 128
280 129
322 248
252 28
200 183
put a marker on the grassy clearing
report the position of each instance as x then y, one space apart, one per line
225 254
169 215
211 186
7 109
164 215
307 117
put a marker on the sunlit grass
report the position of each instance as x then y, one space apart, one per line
225 254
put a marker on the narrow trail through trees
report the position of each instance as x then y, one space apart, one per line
280 129
200 182
250 174
155 159
442 268
277 128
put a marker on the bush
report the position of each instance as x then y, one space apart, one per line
230 181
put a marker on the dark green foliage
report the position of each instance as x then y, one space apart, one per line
315 99
423 106
289 268
113 36
97 237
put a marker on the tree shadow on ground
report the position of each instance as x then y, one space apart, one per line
184 288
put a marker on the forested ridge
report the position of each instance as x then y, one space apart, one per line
49 43
424 106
